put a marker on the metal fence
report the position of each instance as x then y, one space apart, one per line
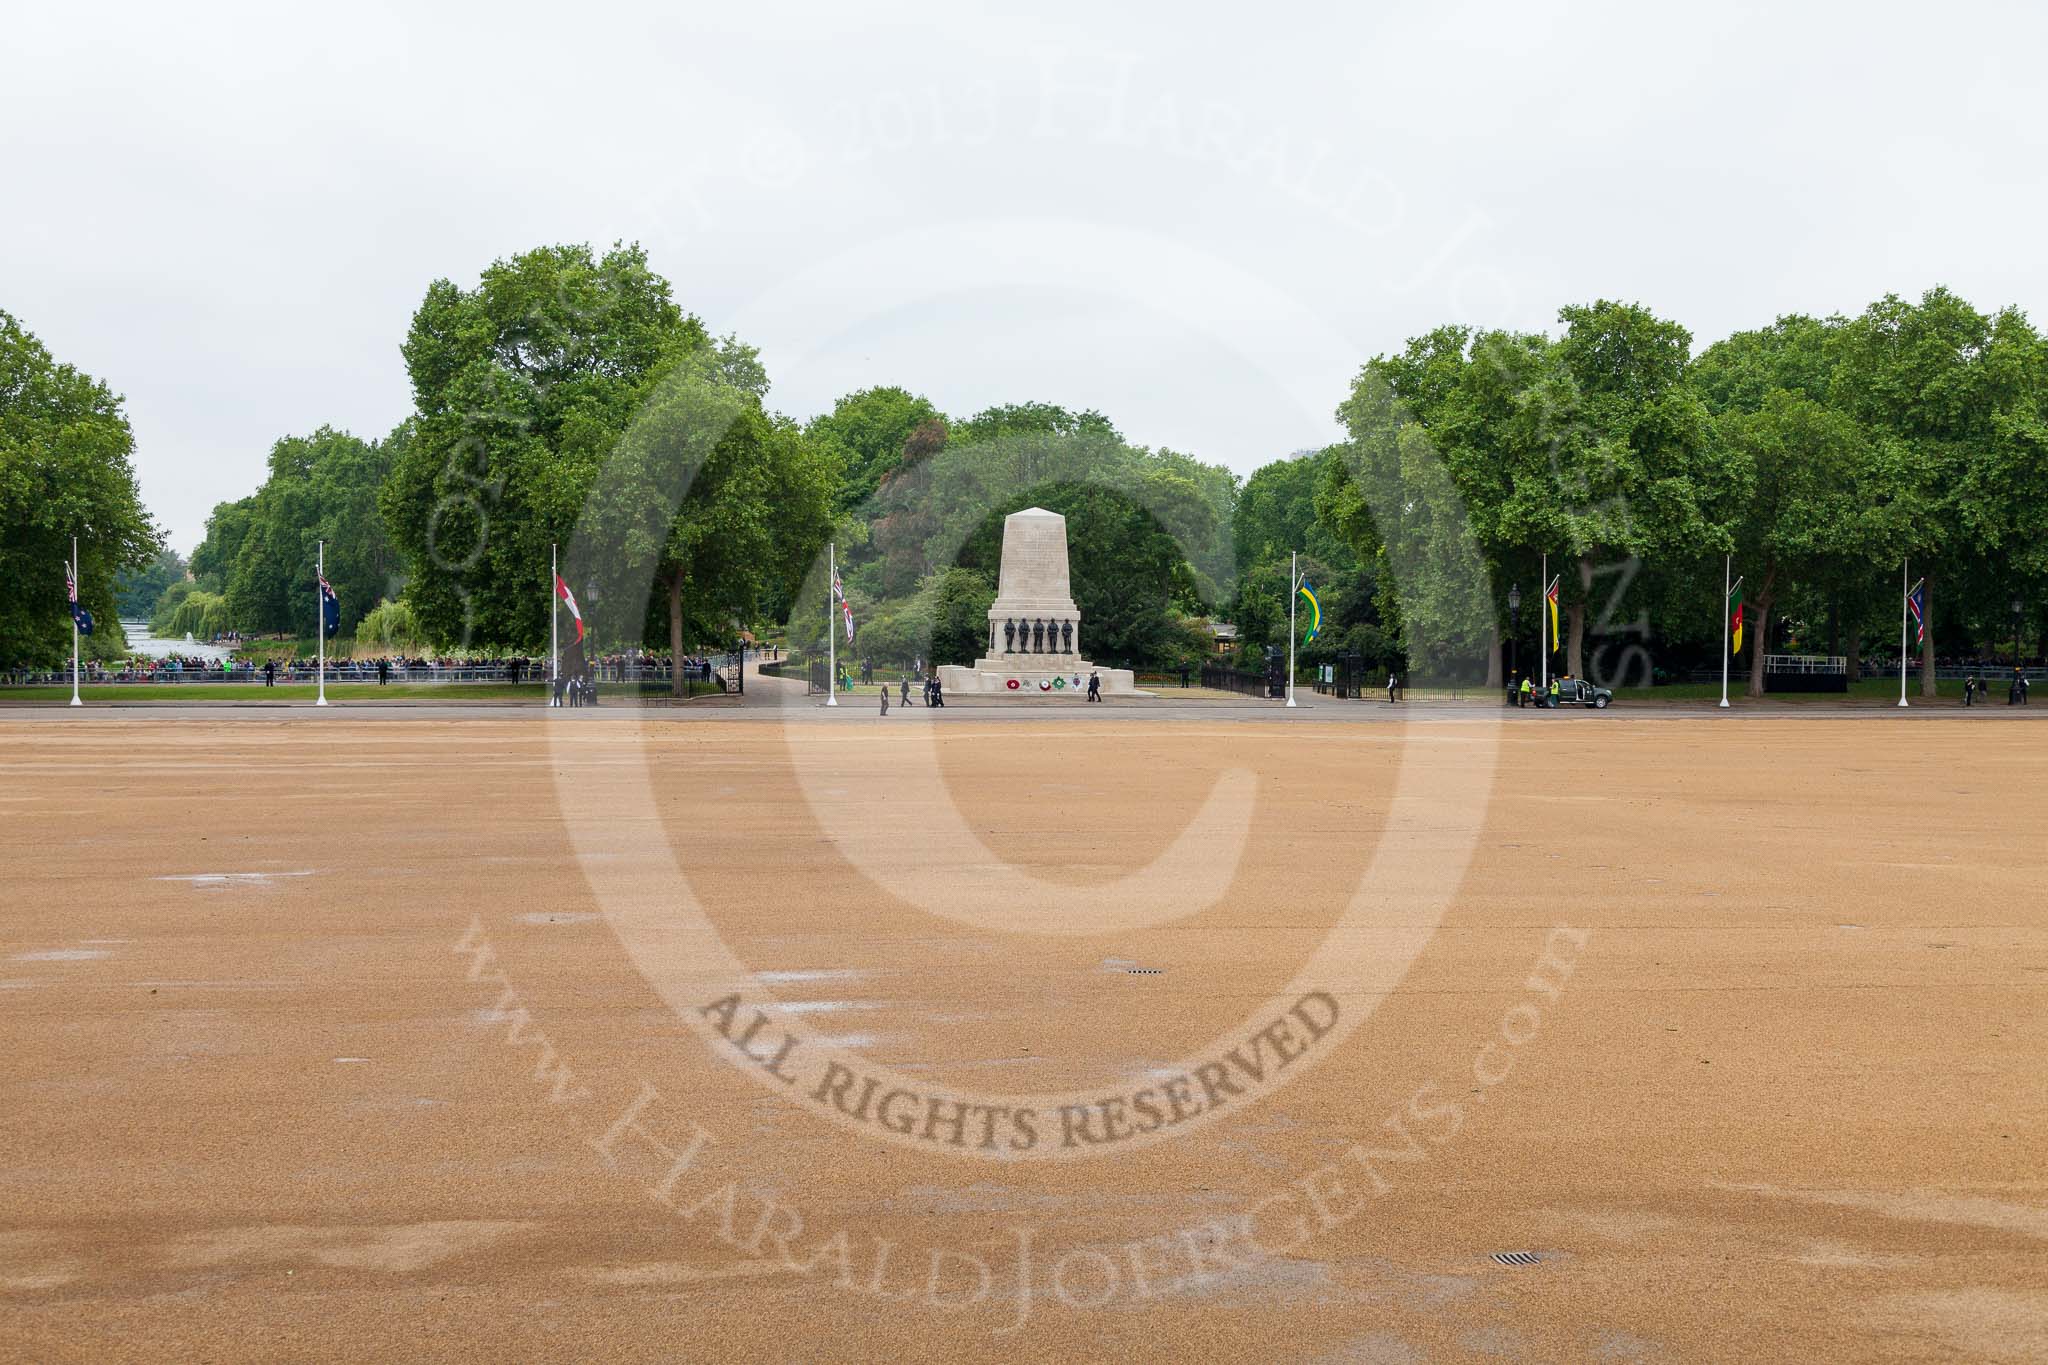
710 668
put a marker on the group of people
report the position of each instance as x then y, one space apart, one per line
934 694
1975 687
1543 696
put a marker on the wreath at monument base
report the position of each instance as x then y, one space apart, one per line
1044 686
1011 684
1059 682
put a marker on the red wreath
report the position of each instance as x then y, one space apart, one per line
1044 686
1011 684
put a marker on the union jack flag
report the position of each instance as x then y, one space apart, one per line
1916 603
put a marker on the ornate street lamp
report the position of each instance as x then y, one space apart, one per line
1514 635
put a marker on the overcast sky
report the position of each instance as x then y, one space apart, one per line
1198 221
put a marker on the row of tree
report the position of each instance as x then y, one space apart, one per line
566 400
1822 454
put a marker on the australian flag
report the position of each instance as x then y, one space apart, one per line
330 609
80 617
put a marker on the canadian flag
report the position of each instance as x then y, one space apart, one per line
569 600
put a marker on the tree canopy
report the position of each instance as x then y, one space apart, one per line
66 469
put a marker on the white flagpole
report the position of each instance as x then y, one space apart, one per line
74 624
1727 588
554 624
831 628
1905 567
1543 625
1293 587
320 623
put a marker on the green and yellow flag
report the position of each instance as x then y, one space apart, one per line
1315 611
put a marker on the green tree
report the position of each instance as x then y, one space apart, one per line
65 470
214 558
137 590
321 487
705 494
523 387
867 433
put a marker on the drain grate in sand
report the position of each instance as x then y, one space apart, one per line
1146 971
1516 1257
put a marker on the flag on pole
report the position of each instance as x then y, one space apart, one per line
1315 611
845 607
330 609
1550 596
569 601
80 617
1735 618
1916 603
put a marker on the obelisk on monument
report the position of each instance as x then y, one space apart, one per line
1034 628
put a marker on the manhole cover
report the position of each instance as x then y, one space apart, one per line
1516 1257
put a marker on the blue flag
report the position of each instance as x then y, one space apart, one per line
80 617
330 609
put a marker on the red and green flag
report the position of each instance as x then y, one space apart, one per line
1735 618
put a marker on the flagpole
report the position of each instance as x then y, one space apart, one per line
1543 625
1905 567
1727 587
1293 591
554 623
320 622
74 624
831 640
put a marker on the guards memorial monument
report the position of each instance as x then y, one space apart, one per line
1034 628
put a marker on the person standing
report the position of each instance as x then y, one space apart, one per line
884 690
1393 686
938 693
383 672
270 672
1522 694
1556 692
1970 686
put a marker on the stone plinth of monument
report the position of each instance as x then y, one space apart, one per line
1034 628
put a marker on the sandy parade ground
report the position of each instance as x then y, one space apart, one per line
1141 1031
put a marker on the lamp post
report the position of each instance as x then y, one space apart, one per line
1514 633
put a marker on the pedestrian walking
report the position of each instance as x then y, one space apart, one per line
1095 685
1522 693
938 693
1393 686
884 690
1555 692
906 689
